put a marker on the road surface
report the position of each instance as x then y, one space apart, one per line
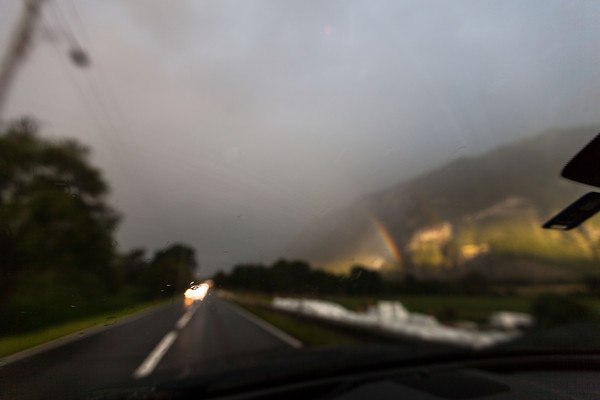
171 342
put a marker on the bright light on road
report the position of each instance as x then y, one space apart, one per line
197 292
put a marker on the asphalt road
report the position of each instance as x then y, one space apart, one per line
171 342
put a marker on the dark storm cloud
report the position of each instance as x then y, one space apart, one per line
232 125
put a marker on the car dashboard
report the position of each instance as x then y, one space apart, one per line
518 377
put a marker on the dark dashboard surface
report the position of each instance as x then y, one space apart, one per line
541 376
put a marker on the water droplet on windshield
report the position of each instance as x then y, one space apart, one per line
458 152
326 210
340 155
497 85
231 153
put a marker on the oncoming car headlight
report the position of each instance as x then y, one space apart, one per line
197 292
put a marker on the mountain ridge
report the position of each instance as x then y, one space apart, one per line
467 215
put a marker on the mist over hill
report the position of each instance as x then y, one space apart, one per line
480 213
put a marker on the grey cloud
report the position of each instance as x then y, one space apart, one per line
222 109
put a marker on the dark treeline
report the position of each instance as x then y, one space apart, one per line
297 277
168 273
58 256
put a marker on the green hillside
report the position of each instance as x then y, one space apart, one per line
479 213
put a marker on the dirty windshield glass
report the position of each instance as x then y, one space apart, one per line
187 187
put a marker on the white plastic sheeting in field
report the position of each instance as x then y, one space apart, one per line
393 317
508 320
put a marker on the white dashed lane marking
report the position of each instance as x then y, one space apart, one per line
161 349
155 356
183 321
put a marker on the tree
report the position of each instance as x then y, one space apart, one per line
132 264
475 283
220 279
292 277
251 277
171 271
364 281
555 309
54 219
297 277
592 284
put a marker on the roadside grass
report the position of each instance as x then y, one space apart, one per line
248 296
307 333
594 303
14 344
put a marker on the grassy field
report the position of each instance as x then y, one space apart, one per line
308 334
14 344
532 290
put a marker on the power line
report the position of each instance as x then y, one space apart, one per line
97 80
101 76
69 74
107 99
92 88
104 110
63 21
96 92
75 12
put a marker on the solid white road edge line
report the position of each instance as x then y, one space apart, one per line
153 358
292 341
75 336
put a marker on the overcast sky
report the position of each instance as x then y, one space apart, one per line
233 125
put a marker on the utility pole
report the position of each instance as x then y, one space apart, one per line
19 44
18 47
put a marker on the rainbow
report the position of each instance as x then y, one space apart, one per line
425 209
388 241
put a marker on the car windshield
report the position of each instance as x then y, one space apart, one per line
191 187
